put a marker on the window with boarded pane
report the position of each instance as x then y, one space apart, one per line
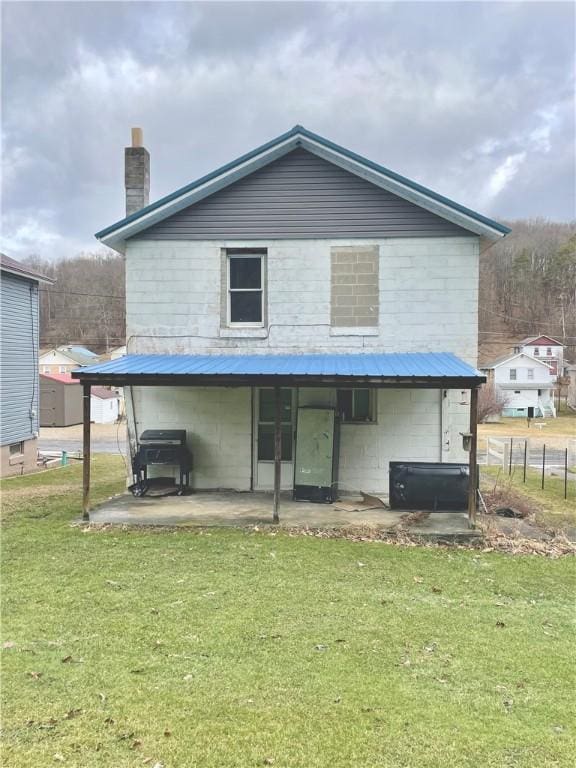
245 289
356 406
266 417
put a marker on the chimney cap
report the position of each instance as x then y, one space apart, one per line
137 137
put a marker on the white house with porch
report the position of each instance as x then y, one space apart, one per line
527 384
299 278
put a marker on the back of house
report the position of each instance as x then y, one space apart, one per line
305 266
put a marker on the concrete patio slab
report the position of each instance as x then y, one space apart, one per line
245 509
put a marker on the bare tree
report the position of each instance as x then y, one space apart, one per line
491 402
86 304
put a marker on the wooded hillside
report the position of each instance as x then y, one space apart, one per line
527 287
86 304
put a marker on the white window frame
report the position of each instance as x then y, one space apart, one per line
62 369
515 376
530 374
536 351
229 290
549 352
372 406
46 369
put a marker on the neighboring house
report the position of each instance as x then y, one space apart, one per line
65 359
527 384
546 349
104 405
306 276
19 366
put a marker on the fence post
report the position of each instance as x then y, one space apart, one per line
566 473
543 463
525 457
511 453
505 449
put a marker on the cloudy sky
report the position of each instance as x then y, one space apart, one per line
475 100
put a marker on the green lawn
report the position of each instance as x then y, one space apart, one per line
553 510
229 648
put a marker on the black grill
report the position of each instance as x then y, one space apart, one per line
165 447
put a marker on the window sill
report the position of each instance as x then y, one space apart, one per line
243 333
353 331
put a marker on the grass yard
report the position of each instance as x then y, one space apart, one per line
230 649
556 432
554 510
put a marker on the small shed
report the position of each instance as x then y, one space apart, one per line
103 405
60 400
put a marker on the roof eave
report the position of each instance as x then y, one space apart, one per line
116 235
33 277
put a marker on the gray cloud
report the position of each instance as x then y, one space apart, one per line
475 100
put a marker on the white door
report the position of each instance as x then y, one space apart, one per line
264 412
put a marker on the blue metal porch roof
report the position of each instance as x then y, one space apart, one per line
391 365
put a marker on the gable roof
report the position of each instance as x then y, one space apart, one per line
72 354
535 341
13 267
116 234
508 358
80 350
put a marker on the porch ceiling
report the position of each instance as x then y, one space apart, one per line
423 369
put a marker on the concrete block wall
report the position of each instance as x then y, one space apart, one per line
218 425
428 302
428 298
354 286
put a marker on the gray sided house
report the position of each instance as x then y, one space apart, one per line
19 386
299 291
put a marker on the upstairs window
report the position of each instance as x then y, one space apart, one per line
536 352
513 375
549 351
245 288
357 406
530 374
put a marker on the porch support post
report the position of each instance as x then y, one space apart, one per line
86 452
277 451
472 495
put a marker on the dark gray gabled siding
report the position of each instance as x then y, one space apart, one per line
19 359
301 196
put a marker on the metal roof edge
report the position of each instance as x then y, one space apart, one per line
294 132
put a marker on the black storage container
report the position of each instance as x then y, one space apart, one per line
420 485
